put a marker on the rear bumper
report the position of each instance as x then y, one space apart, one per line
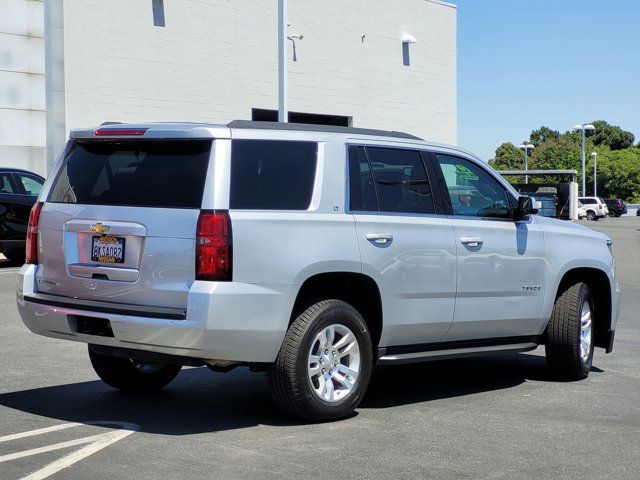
227 321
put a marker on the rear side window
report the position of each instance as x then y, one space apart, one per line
388 180
32 185
5 183
272 175
169 174
588 201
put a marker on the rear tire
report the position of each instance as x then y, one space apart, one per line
569 335
330 334
130 375
591 215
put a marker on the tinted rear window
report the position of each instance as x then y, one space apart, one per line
272 175
144 174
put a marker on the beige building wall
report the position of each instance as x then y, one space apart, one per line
217 59
22 85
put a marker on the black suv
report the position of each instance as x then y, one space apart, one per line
616 207
19 190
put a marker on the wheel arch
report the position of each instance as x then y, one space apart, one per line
600 285
357 289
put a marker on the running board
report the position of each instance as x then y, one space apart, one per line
449 350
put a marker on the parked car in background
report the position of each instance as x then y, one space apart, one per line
616 207
582 211
595 208
19 190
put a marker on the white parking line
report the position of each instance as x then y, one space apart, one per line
7 271
39 431
50 448
96 443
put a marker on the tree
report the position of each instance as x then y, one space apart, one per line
619 174
611 135
560 153
508 157
542 134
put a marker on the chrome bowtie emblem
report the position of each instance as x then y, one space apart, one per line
99 228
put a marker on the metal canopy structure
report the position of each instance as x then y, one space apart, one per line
542 173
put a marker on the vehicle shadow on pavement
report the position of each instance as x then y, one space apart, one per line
201 401
197 401
422 382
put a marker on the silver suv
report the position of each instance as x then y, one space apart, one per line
310 252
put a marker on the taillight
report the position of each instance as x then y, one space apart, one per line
213 246
32 234
600 206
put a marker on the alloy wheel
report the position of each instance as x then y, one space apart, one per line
334 363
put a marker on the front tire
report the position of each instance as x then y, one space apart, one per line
569 335
324 364
131 375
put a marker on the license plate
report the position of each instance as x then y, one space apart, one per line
107 249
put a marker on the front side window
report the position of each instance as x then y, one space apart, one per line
472 190
272 174
32 185
388 180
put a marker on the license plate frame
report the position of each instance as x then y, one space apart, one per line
112 257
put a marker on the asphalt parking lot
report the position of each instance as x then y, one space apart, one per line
500 417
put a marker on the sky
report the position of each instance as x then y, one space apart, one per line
524 63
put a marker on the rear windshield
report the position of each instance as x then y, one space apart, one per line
272 174
142 174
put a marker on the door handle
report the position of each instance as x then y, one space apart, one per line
379 238
471 241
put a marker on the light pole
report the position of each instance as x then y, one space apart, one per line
594 155
583 129
283 115
526 147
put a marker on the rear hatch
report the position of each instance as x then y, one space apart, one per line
119 223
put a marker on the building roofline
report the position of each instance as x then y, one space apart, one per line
442 2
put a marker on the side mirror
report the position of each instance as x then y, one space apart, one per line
525 207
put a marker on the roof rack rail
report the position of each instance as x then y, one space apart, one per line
310 127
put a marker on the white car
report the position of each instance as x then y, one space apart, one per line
309 252
594 208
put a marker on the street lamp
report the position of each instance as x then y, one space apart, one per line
583 129
526 147
594 155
